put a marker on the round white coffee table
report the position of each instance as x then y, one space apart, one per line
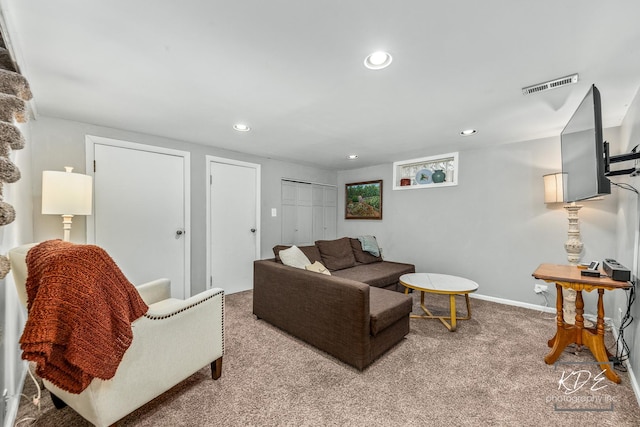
440 284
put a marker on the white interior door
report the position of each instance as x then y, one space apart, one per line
234 220
141 204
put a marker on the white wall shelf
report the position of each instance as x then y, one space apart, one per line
417 173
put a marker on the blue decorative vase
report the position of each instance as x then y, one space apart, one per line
438 176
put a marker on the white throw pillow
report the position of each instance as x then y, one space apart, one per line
294 257
318 268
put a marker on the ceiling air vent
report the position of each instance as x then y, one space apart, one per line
551 84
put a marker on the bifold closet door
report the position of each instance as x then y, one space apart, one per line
297 214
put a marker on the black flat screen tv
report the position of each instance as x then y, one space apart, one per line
583 153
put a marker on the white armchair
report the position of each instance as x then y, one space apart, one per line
175 339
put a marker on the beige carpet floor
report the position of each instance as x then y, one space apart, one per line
490 372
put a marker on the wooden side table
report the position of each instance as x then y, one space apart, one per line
568 276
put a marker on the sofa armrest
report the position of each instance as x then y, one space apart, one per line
154 291
328 312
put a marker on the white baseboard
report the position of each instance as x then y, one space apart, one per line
634 383
514 303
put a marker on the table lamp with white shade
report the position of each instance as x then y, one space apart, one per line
66 194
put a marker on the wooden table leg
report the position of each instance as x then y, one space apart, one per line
559 315
600 321
595 342
565 334
579 318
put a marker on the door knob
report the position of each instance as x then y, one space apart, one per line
253 230
179 233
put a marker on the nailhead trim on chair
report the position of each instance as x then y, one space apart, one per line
166 316
222 322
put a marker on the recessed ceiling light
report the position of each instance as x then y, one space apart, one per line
241 127
352 156
468 132
378 60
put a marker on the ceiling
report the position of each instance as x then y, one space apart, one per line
293 70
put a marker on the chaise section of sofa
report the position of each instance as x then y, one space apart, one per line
341 314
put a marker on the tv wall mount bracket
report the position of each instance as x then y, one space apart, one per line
633 155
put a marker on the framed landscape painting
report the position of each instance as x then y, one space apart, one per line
363 200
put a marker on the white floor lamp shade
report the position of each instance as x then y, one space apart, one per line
66 194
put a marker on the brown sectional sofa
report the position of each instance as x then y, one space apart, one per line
354 315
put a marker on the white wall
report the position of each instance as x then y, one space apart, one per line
493 227
58 143
628 229
11 312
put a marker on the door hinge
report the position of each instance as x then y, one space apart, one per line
210 282
210 179
94 166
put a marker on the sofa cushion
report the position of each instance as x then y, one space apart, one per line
386 308
336 254
361 256
378 274
318 268
294 257
310 251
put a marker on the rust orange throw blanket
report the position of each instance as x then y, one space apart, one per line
80 311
